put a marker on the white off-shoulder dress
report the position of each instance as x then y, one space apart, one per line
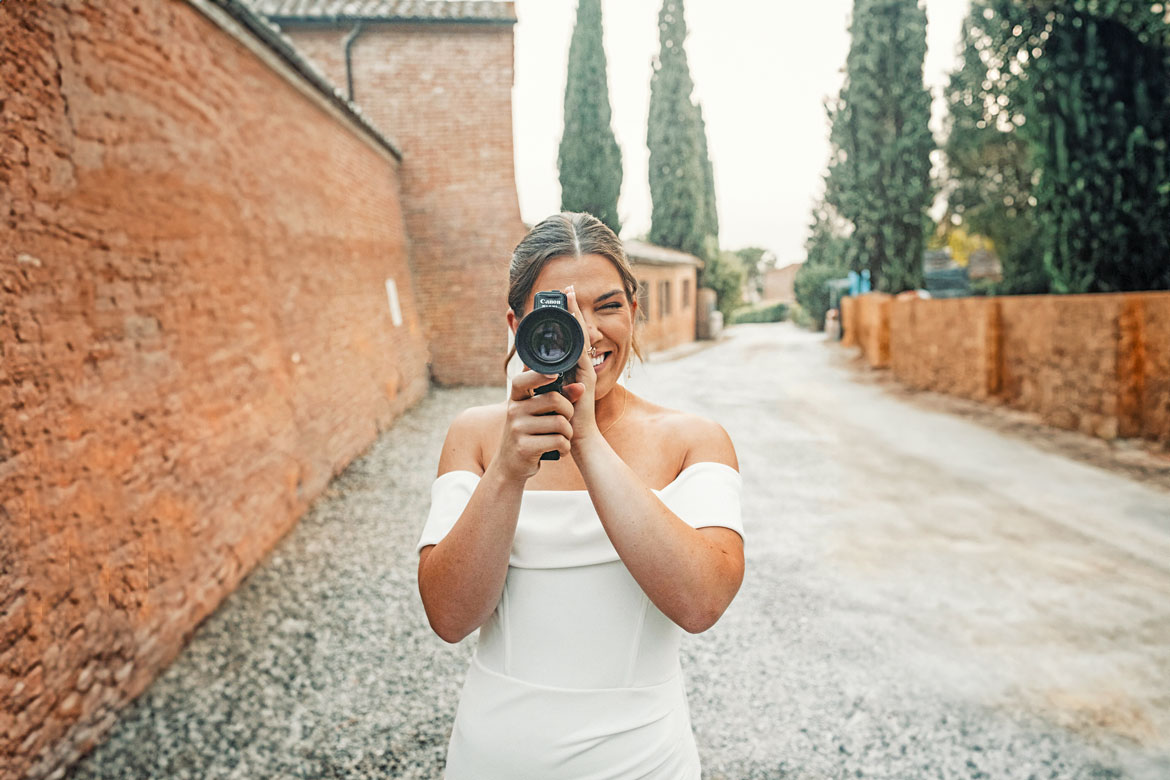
576 674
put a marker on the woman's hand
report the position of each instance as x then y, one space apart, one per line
529 428
582 392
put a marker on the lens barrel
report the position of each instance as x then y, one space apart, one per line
549 340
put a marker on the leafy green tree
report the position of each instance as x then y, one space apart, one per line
754 261
989 163
724 274
879 171
590 162
828 252
680 217
1092 79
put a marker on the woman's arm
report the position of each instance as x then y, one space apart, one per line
691 574
460 578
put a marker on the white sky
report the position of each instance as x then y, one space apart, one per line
762 70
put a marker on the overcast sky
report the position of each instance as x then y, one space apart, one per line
762 70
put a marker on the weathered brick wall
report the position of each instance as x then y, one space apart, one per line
444 91
1099 364
194 337
659 330
945 345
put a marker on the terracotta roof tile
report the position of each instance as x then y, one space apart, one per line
390 10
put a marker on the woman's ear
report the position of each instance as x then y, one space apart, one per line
513 321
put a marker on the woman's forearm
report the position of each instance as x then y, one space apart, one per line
688 576
460 579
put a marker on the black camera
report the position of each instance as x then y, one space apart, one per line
550 341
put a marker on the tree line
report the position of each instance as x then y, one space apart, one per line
684 215
1056 148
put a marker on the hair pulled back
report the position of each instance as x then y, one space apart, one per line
569 234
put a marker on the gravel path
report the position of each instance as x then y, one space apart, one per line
925 598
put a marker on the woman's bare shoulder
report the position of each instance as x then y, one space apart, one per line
696 438
469 436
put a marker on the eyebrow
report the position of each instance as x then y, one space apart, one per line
609 294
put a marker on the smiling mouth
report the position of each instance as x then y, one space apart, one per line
600 359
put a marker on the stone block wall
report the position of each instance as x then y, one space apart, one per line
872 328
946 345
1099 364
195 336
444 91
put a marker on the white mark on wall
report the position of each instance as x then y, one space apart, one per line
395 309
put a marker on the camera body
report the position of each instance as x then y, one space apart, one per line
550 341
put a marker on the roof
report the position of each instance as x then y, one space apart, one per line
489 11
643 253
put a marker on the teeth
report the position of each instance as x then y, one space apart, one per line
597 361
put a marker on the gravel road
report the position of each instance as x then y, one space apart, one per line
925 598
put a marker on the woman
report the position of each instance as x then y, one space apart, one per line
580 573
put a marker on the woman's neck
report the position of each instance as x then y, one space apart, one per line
610 409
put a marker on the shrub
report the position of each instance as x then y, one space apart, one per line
771 312
812 291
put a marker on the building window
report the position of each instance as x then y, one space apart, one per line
663 299
643 300
686 294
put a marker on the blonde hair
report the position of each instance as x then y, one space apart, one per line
569 234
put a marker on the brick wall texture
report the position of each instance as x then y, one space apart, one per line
1099 364
667 326
194 337
444 92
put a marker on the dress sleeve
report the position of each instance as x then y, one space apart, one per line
706 494
449 495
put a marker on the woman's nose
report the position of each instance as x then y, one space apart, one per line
591 330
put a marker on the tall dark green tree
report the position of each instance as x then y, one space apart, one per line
989 175
1092 78
681 212
590 161
879 172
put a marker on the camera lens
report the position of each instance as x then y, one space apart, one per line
550 341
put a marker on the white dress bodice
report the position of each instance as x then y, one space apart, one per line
576 673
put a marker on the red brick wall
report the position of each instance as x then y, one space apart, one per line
660 330
194 337
444 92
1099 364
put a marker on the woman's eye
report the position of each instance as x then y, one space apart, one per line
612 306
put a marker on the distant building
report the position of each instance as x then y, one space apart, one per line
779 284
667 294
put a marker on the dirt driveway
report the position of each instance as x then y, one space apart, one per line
926 597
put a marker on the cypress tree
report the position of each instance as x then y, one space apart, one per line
590 162
879 174
679 215
710 220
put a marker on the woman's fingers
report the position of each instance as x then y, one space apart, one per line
526 381
585 362
545 403
543 425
